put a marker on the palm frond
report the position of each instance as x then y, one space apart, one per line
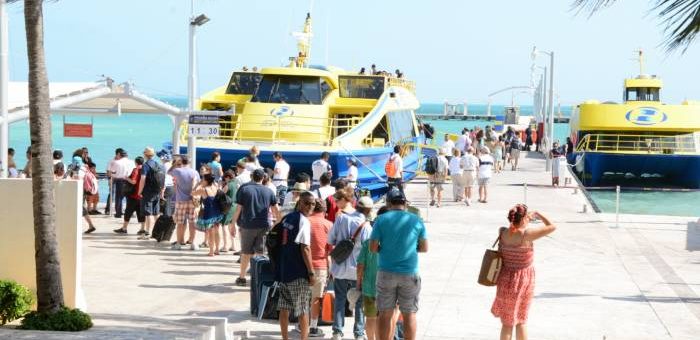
591 6
682 21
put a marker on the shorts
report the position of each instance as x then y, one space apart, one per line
436 182
92 199
468 178
150 206
321 276
252 240
401 289
369 305
294 297
484 181
184 211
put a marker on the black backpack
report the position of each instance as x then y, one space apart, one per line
155 179
431 165
224 201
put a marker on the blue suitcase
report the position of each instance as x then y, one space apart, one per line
261 274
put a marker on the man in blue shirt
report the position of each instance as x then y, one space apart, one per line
398 236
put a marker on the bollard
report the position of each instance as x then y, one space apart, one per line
617 206
525 192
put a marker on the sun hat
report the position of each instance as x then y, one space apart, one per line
298 186
365 202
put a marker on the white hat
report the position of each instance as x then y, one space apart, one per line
365 202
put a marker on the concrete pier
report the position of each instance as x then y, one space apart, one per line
639 280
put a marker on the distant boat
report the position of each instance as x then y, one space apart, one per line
303 110
641 138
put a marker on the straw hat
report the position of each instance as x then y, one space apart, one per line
298 186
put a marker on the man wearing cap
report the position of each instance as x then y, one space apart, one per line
254 203
353 225
398 236
150 191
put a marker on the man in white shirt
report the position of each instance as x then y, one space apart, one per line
243 176
469 166
280 176
318 168
119 170
463 141
448 145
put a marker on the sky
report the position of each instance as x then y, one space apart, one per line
455 50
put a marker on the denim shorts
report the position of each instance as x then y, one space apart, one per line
150 206
401 289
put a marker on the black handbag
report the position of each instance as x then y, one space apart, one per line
342 250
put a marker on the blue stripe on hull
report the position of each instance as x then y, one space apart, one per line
677 170
300 161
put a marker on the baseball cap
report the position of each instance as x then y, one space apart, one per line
365 202
395 196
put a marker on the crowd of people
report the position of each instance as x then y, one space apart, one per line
374 72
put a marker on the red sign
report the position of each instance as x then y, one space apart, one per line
77 130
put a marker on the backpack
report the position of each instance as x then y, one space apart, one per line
155 179
275 239
344 248
89 183
223 200
431 165
390 168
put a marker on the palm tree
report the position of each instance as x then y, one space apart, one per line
48 268
681 18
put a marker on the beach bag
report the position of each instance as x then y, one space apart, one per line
431 165
89 183
390 168
223 200
342 250
491 264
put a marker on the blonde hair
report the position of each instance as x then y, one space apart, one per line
456 152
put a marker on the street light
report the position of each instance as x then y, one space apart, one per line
548 143
195 21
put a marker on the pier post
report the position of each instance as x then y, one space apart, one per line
617 206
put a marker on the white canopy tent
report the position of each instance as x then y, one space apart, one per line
94 99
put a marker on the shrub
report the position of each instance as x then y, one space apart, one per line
66 319
15 301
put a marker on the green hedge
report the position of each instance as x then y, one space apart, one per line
15 301
66 319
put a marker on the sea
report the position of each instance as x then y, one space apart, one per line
133 132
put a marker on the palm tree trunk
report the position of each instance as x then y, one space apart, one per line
48 268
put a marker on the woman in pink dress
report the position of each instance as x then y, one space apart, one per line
516 281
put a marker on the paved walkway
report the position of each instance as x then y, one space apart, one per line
594 280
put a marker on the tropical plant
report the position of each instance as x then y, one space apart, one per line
15 301
64 320
48 269
681 18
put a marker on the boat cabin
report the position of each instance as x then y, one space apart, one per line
642 89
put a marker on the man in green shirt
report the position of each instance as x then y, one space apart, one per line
366 280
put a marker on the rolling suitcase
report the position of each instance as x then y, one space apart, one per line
260 274
163 229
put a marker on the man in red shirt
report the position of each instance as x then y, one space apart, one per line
133 199
320 252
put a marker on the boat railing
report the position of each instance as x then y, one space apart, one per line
643 144
407 84
297 128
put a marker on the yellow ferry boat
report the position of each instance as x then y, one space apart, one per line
303 110
640 140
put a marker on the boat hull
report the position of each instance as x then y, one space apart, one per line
372 175
676 170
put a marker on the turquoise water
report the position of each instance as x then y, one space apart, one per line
134 132
649 203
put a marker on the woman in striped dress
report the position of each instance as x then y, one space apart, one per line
516 281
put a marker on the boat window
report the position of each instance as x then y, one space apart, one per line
325 89
401 125
367 87
243 83
288 90
650 94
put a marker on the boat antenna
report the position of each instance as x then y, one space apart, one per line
303 44
640 59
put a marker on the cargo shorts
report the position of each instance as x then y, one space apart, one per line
398 289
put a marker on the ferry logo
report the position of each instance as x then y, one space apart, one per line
282 111
646 116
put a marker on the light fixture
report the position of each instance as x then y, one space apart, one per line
199 20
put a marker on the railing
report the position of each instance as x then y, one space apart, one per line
268 128
647 144
407 84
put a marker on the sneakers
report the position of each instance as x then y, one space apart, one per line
141 232
241 282
468 202
94 212
193 246
204 245
90 230
337 336
176 246
316 333
120 231
361 337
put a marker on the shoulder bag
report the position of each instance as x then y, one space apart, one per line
491 263
343 250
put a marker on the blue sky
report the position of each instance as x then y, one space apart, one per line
454 50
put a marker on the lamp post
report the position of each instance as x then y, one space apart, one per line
550 106
191 88
4 80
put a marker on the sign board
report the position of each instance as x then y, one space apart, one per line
77 130
203 126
